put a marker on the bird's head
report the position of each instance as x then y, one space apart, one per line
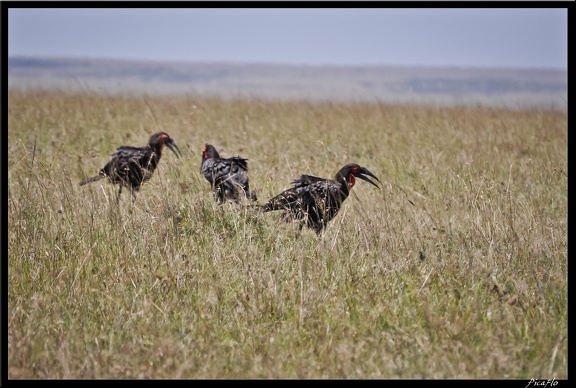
163 139
209 151
352 171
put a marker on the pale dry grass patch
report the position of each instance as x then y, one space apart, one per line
455 268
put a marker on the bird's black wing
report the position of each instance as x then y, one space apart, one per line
218 170
140 155
306 180
228 176
208 168
304 193
234 177
238 163
130 163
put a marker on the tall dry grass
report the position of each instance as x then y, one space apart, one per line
456 268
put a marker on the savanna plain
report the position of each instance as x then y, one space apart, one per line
455 268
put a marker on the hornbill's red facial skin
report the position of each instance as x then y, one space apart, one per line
315 201
228 177
133 166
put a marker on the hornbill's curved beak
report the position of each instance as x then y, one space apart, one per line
173 147
364 170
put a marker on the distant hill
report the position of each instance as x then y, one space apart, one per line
395 84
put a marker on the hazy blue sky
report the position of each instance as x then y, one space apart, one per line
534 37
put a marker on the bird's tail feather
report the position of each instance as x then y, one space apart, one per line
255 206
92 179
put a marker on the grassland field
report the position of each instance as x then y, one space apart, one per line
456 268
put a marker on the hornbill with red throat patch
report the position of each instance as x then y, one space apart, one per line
228 177
315 201
133 166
